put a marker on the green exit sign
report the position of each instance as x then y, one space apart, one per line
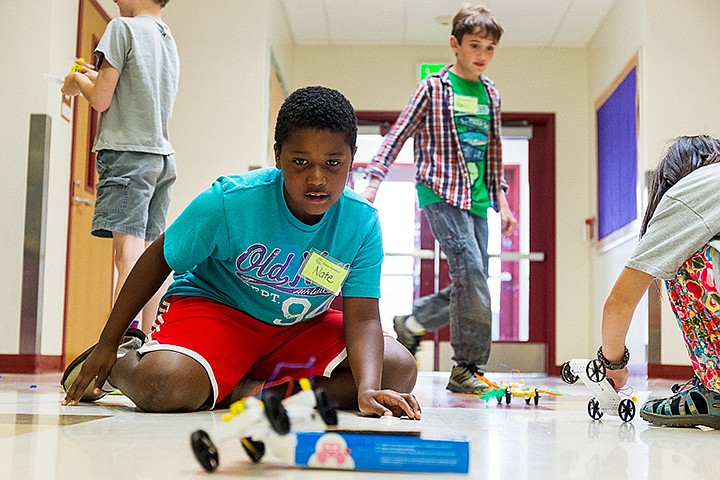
430 68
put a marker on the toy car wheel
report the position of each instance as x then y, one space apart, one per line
254 449
537 396
276 414
205 450
527 401
626 409
325 407
508 396
594 409
595 371
567 375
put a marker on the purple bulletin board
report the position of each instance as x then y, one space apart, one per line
617 171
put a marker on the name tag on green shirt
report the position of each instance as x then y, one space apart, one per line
465 104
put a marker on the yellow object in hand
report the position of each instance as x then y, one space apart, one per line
78 66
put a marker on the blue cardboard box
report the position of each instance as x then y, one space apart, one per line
382 452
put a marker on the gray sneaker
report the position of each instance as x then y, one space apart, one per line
408 339
464 380
132 340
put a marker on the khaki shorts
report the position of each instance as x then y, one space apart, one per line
133 193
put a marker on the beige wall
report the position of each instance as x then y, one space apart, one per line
47 47
220 120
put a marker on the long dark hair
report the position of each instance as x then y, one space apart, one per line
682 157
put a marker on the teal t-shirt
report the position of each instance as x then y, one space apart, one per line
472 120
238 244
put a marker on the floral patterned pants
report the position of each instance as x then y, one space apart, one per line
695 299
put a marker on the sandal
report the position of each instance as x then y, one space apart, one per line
691 405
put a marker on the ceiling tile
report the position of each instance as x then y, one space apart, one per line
412 22
307 21
367 22
581 22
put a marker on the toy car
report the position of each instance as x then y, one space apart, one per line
606 399
506 391
256 421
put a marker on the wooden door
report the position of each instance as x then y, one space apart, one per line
89 274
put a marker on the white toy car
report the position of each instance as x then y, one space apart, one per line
256 422
606 399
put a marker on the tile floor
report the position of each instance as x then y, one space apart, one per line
555 439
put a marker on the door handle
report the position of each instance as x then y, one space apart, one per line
82 201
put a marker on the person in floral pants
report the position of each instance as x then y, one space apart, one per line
680 244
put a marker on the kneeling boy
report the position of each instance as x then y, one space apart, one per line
258 258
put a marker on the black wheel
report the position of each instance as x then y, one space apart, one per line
508 396
626 410
537 396
567 375
594 409
276 414
254 449
325 407
527 401
595 371
205 450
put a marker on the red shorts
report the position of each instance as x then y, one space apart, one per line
231 345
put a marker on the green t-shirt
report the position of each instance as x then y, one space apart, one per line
472 120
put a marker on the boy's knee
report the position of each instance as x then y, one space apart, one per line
399 368
163 387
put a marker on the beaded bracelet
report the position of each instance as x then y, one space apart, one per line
614 366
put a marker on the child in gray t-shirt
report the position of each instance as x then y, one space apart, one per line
679 242
134 88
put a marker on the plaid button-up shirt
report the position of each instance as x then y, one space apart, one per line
429 117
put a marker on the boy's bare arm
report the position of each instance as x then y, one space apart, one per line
365 347
97 87
144 280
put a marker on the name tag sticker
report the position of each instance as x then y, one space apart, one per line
324 272
465 104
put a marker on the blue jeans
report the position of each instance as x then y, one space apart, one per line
465 304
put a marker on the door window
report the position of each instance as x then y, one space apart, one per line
396 202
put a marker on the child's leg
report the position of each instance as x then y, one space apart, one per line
126 250
695 300
162 381
196 344
470 311
399 374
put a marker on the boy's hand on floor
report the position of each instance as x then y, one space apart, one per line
96 368
389 402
